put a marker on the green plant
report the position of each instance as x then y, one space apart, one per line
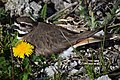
9 68
43 12
4 17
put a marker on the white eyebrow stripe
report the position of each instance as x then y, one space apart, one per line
26 23
21 32
16 24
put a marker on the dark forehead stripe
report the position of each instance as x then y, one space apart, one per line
25 24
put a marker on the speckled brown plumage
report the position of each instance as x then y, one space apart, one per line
49 38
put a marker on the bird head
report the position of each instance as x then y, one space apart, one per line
23 25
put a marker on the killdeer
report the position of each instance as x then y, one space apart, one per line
48 38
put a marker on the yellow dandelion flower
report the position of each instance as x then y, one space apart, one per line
22 48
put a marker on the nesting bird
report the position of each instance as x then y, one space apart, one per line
48 38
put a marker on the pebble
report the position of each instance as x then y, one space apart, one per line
73 64
116 46
73 71
104 77
51 70
22 7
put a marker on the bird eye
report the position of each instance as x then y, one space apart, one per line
23 25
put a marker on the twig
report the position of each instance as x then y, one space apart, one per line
73 9
75 3
114 25
65 37
12 62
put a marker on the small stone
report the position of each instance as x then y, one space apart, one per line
21 2
42 70
73 64
23 8
36 63
109 47
119 49
97 69
50 71
82 69
44 62
105 52
67 53
88 50
17 65
105 77
116 46
100 33
35 6
99 13
88 54
73 71
79 62
112 67
93 1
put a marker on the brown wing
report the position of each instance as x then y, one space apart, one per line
52 39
